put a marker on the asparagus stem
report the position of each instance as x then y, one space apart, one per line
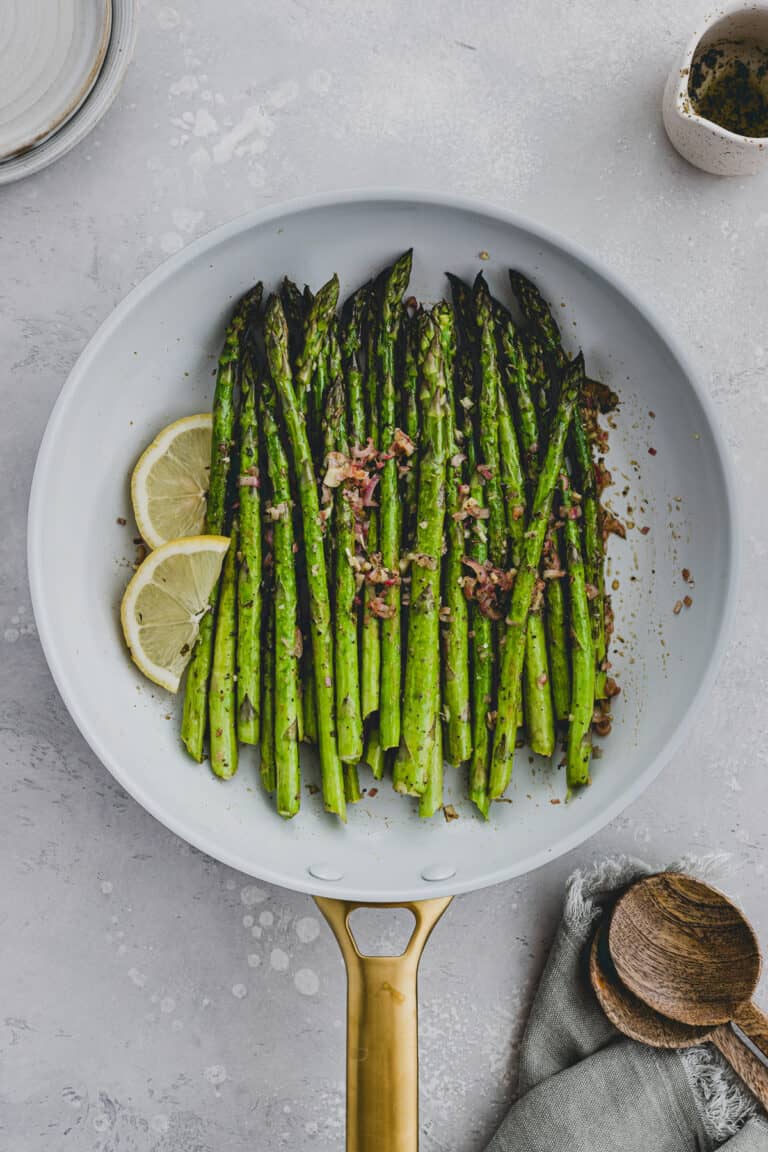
287 635
421 696
308 696
393 287
431 800
557 631
579 747
525 584
455 629
352 791
490 431
370 685
409 418
267 766
348 714
373 755
195 712
222 705
276 333
593 549
481 628
538 313
537 696
353 316
249 594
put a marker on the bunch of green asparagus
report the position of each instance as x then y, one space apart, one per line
416 574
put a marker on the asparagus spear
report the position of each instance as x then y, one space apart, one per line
393 287
490 431
349 717
276 334
351 341
556 612
537 697
454 629
593 550
538 313
309 377
481 627
431 800
557 629
287 635
409 416
421 696
297 305
579 748
370 686
222 703
195 712
525 584
249 595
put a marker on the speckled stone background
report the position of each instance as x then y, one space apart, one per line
151 999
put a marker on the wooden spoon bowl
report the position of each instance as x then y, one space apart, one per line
685 949
628 1014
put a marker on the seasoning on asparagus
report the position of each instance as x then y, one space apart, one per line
276 334
392 289
525 584
421 695
348 715
222 703
488 416
481 628
287 634
267 746
370 685
249 593
195 714
454 627
579 746
409 419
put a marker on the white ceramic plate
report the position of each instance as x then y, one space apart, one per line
51 52
107 84
153 361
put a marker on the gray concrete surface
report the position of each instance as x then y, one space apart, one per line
150 998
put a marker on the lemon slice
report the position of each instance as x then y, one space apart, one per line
170 482
164 602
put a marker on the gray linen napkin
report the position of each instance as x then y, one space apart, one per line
585 1088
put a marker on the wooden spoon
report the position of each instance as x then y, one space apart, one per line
686 951
635 1019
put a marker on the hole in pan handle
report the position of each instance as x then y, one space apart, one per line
382 1030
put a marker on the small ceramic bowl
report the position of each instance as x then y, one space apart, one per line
703 142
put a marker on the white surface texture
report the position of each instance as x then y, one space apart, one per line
152 999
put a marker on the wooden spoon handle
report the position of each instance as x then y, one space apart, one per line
746 1064
754 1022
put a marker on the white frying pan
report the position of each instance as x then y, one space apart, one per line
152 362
